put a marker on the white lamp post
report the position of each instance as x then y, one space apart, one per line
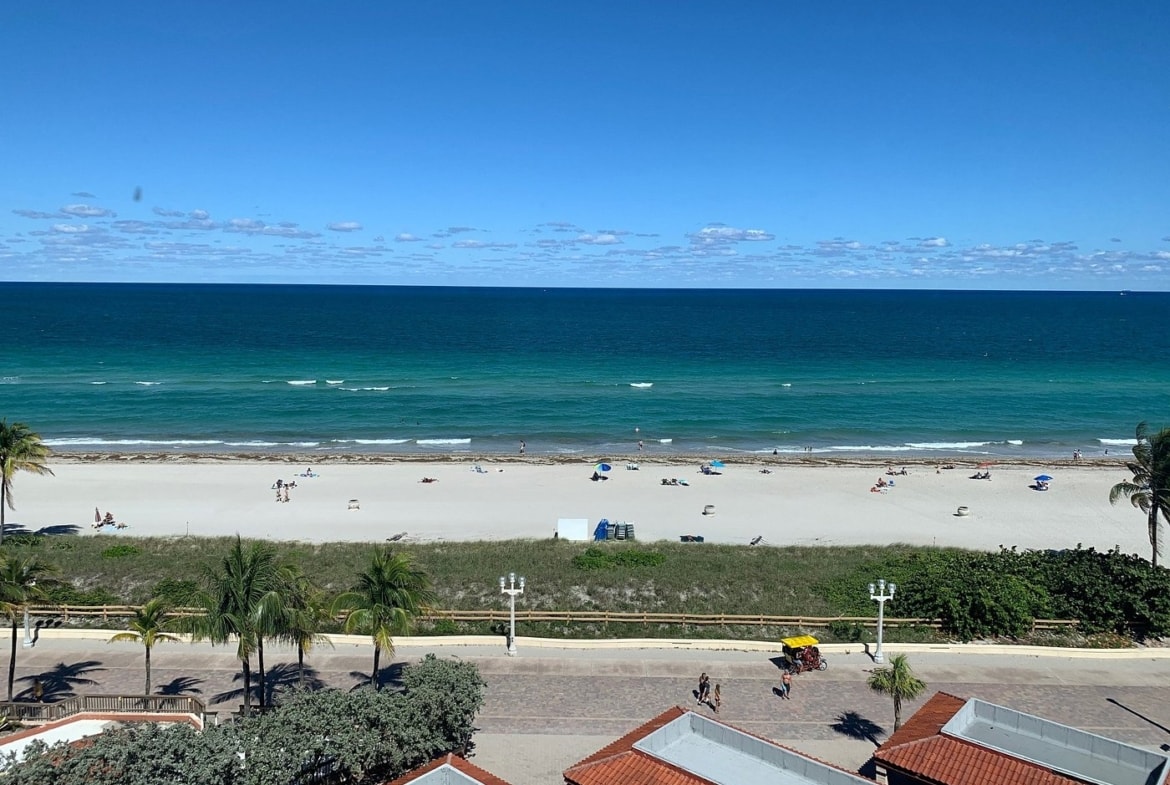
509 587
878 594
28 638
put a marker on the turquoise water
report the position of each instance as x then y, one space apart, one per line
448 370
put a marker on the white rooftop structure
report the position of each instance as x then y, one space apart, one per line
727 756
445 775
1074 753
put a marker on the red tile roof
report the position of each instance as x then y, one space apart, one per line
455 762
620 764
919 749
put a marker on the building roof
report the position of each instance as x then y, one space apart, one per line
680 747
950 740
448 770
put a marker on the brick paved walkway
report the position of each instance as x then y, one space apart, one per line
603 694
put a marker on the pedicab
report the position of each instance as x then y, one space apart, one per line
801 654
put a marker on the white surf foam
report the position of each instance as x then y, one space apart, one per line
642 385
370 441
148 384
335 381
364 389
440 442
302 382
1118 442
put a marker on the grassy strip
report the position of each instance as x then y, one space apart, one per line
658 577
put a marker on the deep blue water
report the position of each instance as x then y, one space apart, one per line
440 370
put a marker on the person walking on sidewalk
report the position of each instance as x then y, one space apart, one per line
704 690
786 685
716 699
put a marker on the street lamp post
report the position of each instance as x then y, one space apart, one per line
28 638
509 587
878 594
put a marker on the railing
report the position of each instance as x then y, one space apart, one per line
37 713
106 612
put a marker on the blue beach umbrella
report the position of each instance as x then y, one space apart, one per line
1042 478
603 467
717 464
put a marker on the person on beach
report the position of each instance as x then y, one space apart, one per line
786 685
716 699
704 689
522 446
640 445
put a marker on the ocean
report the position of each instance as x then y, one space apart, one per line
449 371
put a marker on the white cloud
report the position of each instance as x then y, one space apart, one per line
38 214
199 215
165 213
72 228
933 242
715 234
87 211
599 239
474 244
406 237
344 226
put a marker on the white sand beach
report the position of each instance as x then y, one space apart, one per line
795 504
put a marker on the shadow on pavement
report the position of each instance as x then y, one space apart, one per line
855 726
59 681
1123 707
181 685
390 676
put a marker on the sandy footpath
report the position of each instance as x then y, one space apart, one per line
795 504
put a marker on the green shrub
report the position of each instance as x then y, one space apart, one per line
68 594
120 551
595 558
178 594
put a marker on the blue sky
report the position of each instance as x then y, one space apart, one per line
893 145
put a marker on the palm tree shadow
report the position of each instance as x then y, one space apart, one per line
855 726
181 685
389 676
59 681
59 529
285 677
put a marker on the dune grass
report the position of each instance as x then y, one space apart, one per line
661 577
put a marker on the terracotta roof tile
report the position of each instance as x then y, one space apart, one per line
951 762
626 743
928 720
620 764
455 762
919 748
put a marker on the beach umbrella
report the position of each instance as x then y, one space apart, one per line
603 467
716 464
1042 478
985 465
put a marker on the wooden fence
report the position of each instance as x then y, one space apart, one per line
107 612
36 713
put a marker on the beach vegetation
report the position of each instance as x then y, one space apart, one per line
898 681
176 593
595 558
150 625
23 580
360 736
1149 489
21 450
385 601
120 551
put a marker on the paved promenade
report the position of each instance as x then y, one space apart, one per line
549 707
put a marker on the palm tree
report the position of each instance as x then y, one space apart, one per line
388 596
19 576
1149 490
305 614
21 450
239 600
899 682
151 624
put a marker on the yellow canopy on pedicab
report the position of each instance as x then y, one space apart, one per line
799 642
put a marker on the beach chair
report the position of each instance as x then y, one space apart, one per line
354 504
